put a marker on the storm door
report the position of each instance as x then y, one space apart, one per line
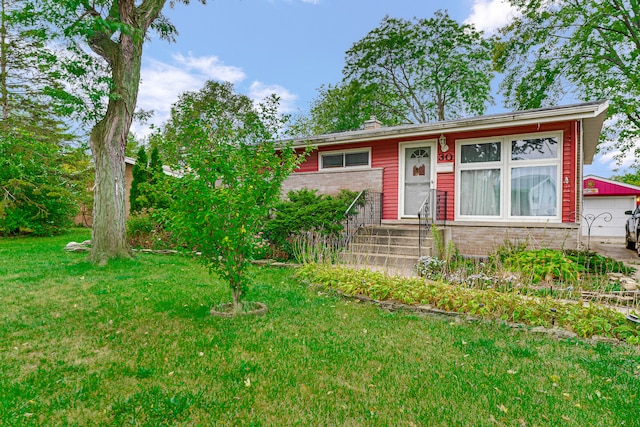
417 178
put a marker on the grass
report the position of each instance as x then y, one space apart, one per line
133 343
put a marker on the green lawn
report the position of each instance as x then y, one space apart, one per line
133 343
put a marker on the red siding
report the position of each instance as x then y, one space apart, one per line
446 182
310 163
384 154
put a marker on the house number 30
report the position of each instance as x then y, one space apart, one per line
445 157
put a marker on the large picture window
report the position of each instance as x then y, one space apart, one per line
345 159
510 177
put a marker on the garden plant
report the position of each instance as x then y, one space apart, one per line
232 174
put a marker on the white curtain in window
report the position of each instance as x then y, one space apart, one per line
534 191
480 192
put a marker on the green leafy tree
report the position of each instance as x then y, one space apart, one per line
218 98
35 195
77 170
589 49
233 171
632 177
343 107
423 70
155 165
27 77
115 32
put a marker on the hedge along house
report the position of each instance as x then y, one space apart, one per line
515 176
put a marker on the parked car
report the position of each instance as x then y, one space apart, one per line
632 229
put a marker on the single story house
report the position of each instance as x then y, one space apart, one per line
605 204
515 176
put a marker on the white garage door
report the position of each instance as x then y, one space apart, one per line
615 206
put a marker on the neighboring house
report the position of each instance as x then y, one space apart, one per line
604 196
514 176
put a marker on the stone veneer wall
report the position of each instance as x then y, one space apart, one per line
482 239
331 182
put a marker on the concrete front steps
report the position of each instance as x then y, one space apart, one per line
394 247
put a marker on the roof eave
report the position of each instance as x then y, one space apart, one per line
592 113
592 128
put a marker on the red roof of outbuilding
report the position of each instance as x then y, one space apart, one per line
597 186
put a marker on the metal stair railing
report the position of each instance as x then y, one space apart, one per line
366 209
432 211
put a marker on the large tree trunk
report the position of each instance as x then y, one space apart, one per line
108 142
108 234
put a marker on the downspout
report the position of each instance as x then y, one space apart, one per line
580 182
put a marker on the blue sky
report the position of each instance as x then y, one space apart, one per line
288 47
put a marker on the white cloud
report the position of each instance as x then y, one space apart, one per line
162 83
311 1
259 91
211 67
160 86
489 15
613 159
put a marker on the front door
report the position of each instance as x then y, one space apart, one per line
416 177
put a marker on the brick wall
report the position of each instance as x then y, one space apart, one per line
480 240
331 182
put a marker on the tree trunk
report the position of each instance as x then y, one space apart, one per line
108 142
237 293
108 234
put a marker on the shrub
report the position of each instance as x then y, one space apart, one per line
35 196
306 211
545 265
598 264
147 229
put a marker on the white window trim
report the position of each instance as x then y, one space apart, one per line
505 165
343 152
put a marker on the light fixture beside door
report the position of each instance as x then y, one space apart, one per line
443 143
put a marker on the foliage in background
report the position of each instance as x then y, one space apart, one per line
427 69
306 211
150 197
632 177
77 169
586 321
407 71
233 172
148 229
586 49
28 74
543 265
343 107
514 267
35 195
139 174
